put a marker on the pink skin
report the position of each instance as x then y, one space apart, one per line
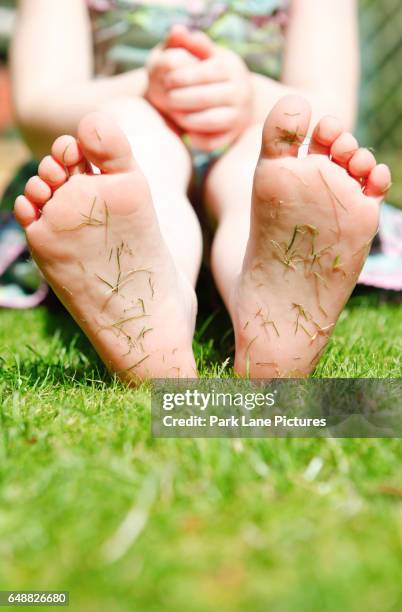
160 62
203 89
259 290
98 243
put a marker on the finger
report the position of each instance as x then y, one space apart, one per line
176 37
211 120
174 59
202 97
201 45
209 71
197 43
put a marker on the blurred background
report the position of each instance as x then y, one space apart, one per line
12 152
380 120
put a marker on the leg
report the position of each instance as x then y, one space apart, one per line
97 240
166 164
228 192
311 224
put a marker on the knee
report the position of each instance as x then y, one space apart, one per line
144 126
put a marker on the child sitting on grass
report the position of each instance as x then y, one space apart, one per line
108 219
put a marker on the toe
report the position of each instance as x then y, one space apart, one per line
327 130
104 144
361 164
378 181
37 191
52 172
343 149
286 127
25 211
66 151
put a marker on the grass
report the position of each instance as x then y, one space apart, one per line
92 504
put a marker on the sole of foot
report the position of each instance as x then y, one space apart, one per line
96 239
312 223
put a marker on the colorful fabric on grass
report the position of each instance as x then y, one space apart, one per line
21 285
383 268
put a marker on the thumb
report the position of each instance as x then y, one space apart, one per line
197 43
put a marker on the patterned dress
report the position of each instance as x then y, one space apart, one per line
125 31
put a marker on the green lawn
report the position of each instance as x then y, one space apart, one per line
92 504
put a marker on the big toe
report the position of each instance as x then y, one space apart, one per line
104 144
286 127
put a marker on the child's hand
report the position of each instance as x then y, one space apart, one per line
161 62
211 100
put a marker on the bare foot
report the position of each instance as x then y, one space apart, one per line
97 241
312 224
